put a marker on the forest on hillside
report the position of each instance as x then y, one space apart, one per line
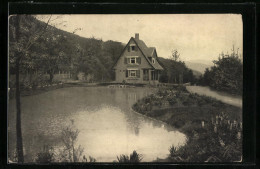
56 50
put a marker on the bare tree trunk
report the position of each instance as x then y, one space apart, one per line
19 142
73 152
19 139
51 76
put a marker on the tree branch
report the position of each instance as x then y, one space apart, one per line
30 43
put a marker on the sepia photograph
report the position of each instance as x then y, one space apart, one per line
125 88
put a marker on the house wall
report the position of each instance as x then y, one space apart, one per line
121 67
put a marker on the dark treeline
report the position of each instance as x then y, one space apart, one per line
175 72
226 74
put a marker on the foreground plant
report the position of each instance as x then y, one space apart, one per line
134 158
219 141
69 152
46 156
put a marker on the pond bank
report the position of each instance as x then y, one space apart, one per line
45 88
206 122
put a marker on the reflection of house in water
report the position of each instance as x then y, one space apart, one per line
132 96
133 123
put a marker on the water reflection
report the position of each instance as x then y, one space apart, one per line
107 124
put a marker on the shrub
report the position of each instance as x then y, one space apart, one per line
46 156
178 123
134 158
218 141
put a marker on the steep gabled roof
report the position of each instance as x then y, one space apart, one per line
146 51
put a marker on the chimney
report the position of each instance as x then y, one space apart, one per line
137 36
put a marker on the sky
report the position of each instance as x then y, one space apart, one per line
195 36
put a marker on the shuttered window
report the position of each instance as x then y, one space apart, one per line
133 73
132 60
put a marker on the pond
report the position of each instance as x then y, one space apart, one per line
107 124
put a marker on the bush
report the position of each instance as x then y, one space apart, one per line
226 75
178 123
134 158
46 156
218 141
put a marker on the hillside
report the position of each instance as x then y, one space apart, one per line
94 57
198 65
196 73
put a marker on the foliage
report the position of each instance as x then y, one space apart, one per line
175 72
52 53
226 75
70 152
96 57
200 119
23 34
175 55
218 141
56 50
176 96
30 31
46 156
134 158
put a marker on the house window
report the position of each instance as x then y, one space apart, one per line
132 48
153 60
132 73
133 60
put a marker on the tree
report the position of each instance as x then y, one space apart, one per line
175 55
52 53
226 74
175 72
24 33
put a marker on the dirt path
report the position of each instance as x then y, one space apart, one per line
225 98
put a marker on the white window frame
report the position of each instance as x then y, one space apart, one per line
131 45
153 60
132 57
132 71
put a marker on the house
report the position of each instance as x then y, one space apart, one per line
137 63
